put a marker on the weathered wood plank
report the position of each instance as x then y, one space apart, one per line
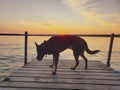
64 63
69 77
57 86
78 68
67 81
37 75
62 70
10 88
69 73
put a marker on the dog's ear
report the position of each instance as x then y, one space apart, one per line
36 44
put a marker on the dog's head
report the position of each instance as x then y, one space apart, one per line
41 50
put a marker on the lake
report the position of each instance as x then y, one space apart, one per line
12 51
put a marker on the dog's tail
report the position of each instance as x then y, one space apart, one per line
91 52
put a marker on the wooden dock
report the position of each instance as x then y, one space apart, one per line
37 76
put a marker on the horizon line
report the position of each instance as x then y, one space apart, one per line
87 35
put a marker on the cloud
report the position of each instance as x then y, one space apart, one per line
100 11
48 24
31 24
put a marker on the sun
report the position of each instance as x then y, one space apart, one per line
64 30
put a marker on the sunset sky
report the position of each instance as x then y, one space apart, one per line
60 16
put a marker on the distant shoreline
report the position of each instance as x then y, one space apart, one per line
83 35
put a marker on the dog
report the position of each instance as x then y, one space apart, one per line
57 44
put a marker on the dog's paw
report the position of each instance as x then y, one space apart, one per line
51 66
72 68
53 73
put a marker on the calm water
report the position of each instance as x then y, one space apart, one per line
12 51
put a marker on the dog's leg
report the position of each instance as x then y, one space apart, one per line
86 61
56 58
76 55
53 61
